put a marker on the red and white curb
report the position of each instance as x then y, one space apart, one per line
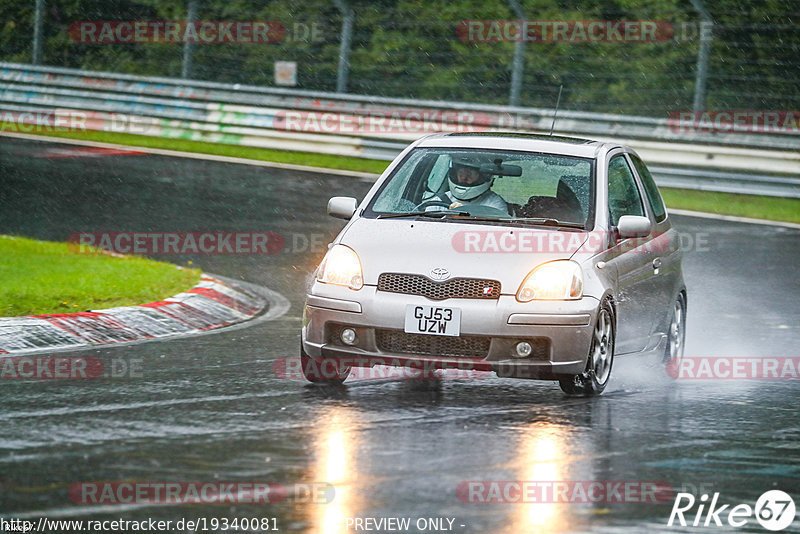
210 305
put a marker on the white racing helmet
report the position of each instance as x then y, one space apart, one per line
463 191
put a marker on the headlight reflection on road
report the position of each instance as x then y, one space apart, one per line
335 463
540 458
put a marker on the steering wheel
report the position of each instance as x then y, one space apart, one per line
429 203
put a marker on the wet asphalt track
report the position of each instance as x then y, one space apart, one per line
210 408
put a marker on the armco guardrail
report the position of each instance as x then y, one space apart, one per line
744 162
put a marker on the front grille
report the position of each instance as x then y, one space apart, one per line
455 288
427 345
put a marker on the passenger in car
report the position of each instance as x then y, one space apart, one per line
565 206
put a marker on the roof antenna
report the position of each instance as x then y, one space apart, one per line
558 101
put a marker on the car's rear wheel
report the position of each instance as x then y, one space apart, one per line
322 370
601 358
676 335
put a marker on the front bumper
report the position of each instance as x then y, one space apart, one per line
561 332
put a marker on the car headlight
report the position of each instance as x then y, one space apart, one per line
556 280
341 267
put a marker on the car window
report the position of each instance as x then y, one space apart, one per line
548 177
650 189
511 184
394 197
438 173
623 195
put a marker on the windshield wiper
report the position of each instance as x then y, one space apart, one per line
539 221
548 221
435 214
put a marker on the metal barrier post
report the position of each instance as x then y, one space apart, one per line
518 62
344 47
706 25
37 33
188 46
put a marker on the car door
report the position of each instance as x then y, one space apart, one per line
634 303
665 249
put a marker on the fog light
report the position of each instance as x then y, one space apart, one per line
524 349
349 336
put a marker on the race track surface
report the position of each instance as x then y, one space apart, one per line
211 409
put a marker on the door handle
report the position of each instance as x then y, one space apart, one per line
657 264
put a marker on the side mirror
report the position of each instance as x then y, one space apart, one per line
342 207
633 226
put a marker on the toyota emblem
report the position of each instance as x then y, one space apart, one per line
440 273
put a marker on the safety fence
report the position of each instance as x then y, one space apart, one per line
691 151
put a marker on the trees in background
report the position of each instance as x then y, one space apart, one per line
409 48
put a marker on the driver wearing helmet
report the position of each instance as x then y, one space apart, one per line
470 186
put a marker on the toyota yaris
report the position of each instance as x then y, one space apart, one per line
530 256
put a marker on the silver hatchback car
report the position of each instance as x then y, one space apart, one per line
530 256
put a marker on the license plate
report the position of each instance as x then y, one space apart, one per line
433 320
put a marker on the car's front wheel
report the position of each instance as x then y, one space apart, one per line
676 336
322 370
601 358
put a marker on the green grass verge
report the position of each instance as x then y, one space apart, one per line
757 207
328 161
753 206
44 277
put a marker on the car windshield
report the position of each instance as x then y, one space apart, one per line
488 185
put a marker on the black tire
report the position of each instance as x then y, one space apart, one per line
676 336
322 370
595 378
